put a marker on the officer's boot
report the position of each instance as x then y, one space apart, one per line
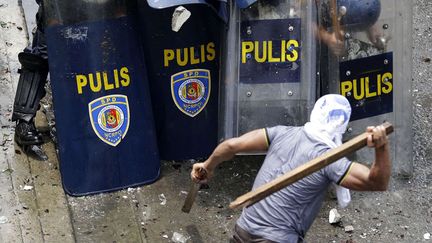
30 90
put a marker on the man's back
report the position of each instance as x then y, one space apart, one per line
289 212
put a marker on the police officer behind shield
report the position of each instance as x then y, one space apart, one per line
30 90
34 70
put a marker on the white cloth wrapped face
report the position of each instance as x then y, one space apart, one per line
328 122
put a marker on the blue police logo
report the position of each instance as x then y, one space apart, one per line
191 90
109 116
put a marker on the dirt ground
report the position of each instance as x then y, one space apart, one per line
34 208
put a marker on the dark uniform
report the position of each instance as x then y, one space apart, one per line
31 89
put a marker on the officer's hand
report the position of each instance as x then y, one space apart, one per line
200 173
336 45
377 138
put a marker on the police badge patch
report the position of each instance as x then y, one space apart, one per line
109 116
191 90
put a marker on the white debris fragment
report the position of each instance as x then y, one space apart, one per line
179 17
179 238
125 197
165 236
349 228
427 236
3 219
334 216
130 189
183 192
162 198
26 188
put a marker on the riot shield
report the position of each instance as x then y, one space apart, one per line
269 74
182 49
105 128
374 71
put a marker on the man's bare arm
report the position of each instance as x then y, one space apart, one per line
375 178
253 141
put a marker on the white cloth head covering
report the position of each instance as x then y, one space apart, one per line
328 122
329 119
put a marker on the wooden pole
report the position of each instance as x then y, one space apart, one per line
304 170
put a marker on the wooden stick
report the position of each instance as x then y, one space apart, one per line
190 198
335 20
304 170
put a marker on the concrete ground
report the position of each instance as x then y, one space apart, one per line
34 208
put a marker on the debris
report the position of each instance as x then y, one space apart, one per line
427 59
3 219
183 192
176 166
130 189
162 198
349 228
427 236
165 236
26 188
334 216
179 238
3 24
179 17
125 197
8 171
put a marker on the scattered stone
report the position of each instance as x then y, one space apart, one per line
26 188
220 206
165 236
162 198
46 210
334 216
427 236
179 238
124 197
3 219
19 28
427 59
3 24
180 16
349 228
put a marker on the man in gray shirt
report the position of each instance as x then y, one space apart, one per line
286 215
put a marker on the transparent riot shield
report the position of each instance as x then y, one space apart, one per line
374 70
182 48
269 73
104 122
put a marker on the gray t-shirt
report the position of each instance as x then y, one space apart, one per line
287 214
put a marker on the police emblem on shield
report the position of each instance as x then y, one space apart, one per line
191 90
109 116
